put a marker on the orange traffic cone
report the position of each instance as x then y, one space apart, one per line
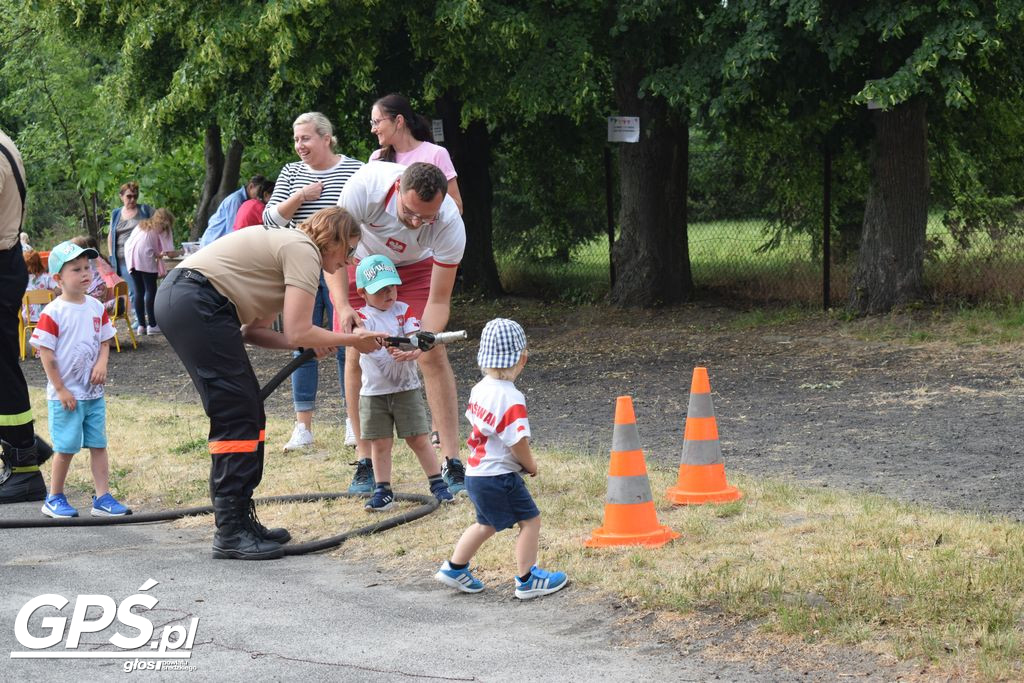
629 515
701 470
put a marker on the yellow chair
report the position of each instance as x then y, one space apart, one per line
25 324
120 312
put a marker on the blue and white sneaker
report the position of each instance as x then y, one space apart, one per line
58 507
454 474
383 499
459 579
362 481
107 506
441 492
540 583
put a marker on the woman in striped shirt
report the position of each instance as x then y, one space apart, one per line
303 188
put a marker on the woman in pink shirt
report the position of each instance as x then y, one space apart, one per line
405 137
144 252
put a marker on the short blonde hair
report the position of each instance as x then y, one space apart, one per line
321 124
330 227
130 185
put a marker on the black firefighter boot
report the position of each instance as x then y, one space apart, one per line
277 534
235 538
20 479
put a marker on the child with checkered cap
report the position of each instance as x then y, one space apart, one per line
500 450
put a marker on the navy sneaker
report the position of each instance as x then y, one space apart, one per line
459 579
107 506
383 499
58 507
454 474
441 492
540 583
363 481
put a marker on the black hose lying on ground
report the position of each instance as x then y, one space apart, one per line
428 503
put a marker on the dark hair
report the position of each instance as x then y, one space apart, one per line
86 242
266 187
424 179
257 181
393 105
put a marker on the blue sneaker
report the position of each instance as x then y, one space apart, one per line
459 579
363 481
540 583
383 499
441 492
107 506
58 507
454 474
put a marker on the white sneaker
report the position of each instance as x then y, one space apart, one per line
152 329
140 331
301 438
350 436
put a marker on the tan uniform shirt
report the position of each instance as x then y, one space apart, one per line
252 267
10 198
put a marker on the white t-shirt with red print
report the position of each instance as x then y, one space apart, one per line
497 413
382 374
74 333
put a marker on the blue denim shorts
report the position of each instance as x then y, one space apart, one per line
83 427
501 500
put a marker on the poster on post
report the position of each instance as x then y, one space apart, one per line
437 128
623 129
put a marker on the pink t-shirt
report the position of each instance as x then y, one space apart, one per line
427 152
143 247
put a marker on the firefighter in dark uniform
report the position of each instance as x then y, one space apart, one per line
228 294
22 451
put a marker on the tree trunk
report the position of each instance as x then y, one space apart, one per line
891 257
232 169
651 256
213 157
470 150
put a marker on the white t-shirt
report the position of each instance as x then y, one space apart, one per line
382 374
74 333
370 197
497 413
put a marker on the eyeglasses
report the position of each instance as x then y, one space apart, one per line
425 221
130 196
376 122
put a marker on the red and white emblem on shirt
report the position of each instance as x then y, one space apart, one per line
96 323
395 245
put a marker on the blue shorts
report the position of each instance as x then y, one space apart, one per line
83 427
501 500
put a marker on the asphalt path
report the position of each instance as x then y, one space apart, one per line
313 615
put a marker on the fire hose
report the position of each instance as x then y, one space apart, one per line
427 503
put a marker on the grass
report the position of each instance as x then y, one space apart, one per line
725 258
813 565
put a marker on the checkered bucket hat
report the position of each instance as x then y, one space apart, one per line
501 344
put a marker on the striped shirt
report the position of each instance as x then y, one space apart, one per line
295 176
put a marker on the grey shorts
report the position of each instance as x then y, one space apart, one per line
381 416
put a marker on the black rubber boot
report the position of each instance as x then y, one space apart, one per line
20 479
235 538
277 534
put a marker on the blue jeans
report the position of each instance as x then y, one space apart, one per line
122 269
306 378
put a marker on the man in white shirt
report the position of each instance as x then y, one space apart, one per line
406 215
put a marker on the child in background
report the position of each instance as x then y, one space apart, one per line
72 340
149 243
251 210
390 399
500 447
97 288
38 278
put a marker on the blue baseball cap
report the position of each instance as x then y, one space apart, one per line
376 272
67 251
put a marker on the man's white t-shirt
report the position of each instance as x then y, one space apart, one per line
382 374
74 333
497 413
370 197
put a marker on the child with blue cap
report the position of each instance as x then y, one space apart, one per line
500 446
390 399
73 338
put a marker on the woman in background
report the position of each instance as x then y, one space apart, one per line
122 222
